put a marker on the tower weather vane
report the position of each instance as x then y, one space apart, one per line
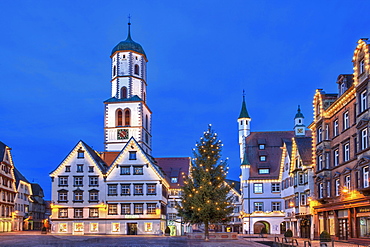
129 19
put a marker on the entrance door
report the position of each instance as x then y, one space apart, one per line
343 229
131 228
305 228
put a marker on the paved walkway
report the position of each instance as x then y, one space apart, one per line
35 238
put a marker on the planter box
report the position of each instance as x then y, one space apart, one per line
213 235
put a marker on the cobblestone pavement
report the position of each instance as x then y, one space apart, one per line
39 240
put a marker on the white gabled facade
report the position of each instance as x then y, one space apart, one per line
121 190
22 206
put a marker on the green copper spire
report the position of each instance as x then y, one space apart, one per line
244 112
299 113
245 159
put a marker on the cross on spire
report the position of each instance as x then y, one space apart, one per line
129 19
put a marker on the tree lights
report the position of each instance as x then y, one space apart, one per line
205 198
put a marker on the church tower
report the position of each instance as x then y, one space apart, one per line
299 127
244 127
126 112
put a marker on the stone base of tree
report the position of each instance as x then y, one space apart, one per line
213 235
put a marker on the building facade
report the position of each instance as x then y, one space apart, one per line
297 180
122 190
341 153
7 189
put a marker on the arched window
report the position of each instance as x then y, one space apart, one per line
127 117
146 122
136 71
114 70
123 93
119 118
144 97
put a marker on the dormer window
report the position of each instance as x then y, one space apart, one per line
263 158
173 180
343 88
261 146
264 171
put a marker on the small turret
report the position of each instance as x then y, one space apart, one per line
299 127
244 127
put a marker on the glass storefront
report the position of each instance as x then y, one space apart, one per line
364 227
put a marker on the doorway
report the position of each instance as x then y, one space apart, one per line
305 230
131 228
343 229
257 227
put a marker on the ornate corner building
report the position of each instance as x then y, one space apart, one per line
341 153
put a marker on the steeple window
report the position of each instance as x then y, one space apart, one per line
127 117
124 93
136 70
146 122
119 117
114 70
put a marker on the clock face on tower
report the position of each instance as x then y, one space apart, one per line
122 134
299 130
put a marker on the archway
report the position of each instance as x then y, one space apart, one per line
257 227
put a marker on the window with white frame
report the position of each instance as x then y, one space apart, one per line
172 216
303 199
63 213
327 160
263 158
363 101
94 212
300 178
112 209
150 208
347 182
321 190
236 209
62 196
336 157
362 66
336 127
78 212
326 131
264 171
258 188
276 206
365 172
138 189
138 208
258 206
80 168
328 188
78 181
125 189
151 189
320 162
112 189
125 208
93 196
275 187
337 187
346 152
345 120
78 196
364 141
63 181
319 134
93 181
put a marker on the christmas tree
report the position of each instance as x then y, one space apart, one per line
205 194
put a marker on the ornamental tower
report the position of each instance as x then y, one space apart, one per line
299 127
244 127
126 112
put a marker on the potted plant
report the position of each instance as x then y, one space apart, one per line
325 237
43 230
288 235
167 231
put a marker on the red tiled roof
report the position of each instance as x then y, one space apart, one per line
273 141
109 157
175 168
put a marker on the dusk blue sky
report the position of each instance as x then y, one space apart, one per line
55 69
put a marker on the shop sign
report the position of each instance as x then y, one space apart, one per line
364 210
